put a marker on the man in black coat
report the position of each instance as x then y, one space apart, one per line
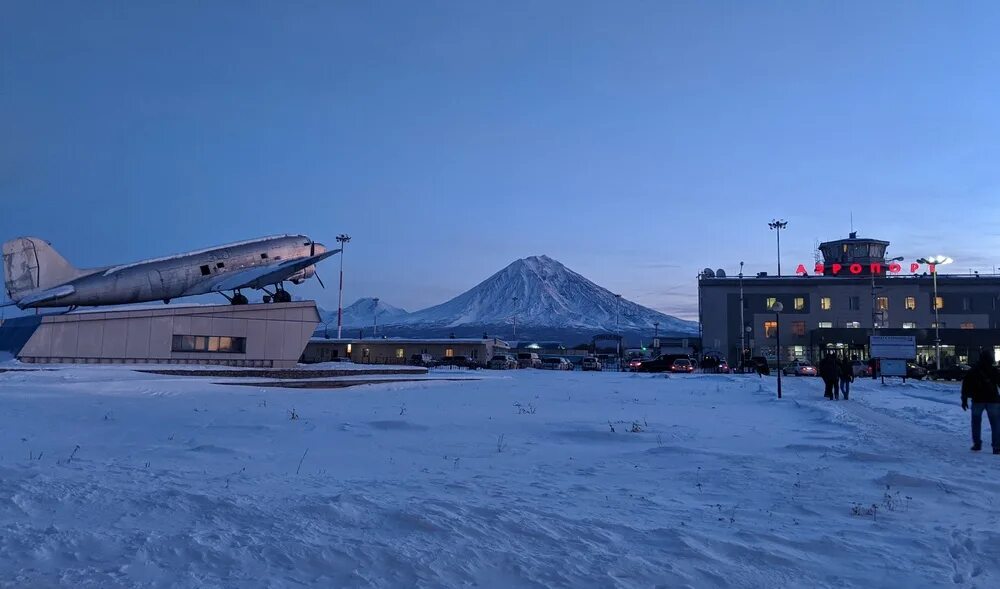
829 370
980 385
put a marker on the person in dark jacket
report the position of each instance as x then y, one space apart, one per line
980 385
829 370
846 376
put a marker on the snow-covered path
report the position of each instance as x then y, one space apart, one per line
523 478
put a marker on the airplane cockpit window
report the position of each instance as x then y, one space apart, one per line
205 270
220 265
263 256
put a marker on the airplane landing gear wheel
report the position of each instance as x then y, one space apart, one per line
282 296
239 299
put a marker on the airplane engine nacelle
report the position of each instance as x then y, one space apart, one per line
303 274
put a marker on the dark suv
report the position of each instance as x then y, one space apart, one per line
662 363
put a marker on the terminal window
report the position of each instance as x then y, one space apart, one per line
883 303
854 303
770 303
852 325
966 304
400 353
825 324
770 327
939 302
909 325
968 325
910 303
824 303
799 327
800 303
222 344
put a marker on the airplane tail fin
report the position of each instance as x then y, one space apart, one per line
30 264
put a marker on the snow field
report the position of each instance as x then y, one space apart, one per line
512 480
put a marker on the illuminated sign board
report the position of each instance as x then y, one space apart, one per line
873 268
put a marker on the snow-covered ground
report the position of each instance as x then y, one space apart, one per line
112 478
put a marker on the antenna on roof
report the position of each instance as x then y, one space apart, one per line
852 222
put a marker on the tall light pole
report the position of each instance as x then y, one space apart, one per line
934 262
515 318
342 239
875 309
618 304
743 346
778 225
777 307
375 318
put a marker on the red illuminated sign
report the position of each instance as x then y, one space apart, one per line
873 268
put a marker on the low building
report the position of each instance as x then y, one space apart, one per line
261 335
399 351
854 293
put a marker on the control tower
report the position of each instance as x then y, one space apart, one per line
853 250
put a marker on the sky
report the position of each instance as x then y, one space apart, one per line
636 142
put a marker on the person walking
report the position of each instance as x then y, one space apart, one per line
828 371
980 385
846 376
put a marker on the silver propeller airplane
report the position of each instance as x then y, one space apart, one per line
37 276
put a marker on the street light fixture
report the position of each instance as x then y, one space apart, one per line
342 239
934 262
778 225
777 308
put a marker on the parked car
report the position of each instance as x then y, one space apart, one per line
528 360
425 360
799 368
915 371
663 363
459 362
860 369
759 364
556 364
682 365
956 372
503 362
590 363
634 364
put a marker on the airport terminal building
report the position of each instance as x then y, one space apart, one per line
837 304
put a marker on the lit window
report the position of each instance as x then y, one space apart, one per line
939 303
365 353
824 303
799 351
800 303
909 325
214 343
449 353
968 325
770 327
852 325
349 347
770 303
854 303
799 327
882 303
911 303
400 353
825 324
935 325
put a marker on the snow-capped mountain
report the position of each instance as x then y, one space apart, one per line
361 313
542 292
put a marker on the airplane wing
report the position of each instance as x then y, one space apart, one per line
261 276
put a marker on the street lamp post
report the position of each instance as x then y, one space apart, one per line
342 239
777 307
618 304
375 318
515 318
743 347
778 225
934 262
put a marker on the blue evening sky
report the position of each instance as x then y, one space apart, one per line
636 142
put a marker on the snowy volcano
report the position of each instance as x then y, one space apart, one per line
362 312
548 299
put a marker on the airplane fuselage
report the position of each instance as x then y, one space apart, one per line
186 274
